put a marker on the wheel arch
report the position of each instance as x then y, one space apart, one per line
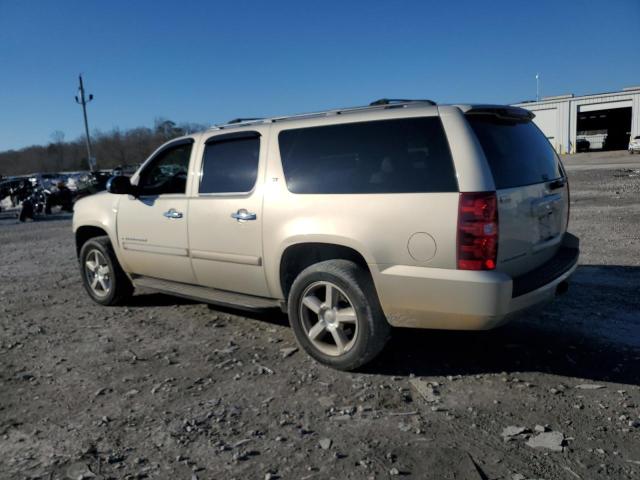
298 256
85 233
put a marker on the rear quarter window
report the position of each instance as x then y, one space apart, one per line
387 156
518 153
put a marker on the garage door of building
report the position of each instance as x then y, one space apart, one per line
605 125
592 107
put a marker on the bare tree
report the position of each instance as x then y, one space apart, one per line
114 148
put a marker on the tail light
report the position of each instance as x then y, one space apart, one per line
477 231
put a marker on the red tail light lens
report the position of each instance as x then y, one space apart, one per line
477 231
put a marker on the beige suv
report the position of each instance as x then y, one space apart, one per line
398 214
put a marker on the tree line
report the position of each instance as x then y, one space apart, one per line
111 149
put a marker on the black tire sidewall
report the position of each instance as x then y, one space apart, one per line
368 322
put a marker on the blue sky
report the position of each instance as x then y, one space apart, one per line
208 61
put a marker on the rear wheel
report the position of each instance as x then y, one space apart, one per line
103 278
336 316
26 211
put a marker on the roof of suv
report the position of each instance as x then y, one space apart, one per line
376 106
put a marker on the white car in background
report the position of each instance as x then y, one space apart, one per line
634 144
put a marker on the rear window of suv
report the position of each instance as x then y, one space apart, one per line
518 152
386 156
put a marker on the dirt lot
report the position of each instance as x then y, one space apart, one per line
165 388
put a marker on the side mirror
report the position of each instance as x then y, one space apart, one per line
120 185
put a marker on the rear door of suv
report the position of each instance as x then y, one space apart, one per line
225 213
531 187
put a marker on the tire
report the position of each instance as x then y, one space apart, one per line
26 212
355 319
113 287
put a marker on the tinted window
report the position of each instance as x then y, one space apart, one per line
518 152
230 166
388 156
167 172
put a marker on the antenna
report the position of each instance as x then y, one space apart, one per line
537 87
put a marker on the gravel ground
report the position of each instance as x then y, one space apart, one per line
165 388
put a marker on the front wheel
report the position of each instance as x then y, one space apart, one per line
23 215
103 278
336 316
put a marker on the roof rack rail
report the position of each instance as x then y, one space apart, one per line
389 101
381 103
243 120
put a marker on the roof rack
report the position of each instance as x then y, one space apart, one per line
239 122
381 104
389 101
243 120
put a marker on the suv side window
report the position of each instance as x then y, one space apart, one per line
167 172
384 156
230 163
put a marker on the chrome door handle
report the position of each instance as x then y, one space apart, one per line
243 215
172 213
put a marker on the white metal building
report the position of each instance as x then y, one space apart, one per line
604 120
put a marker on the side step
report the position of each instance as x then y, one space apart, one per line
207 295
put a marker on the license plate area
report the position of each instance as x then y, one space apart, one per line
547 213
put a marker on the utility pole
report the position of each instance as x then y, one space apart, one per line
83 101
537 87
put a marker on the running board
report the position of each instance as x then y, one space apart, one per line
207 295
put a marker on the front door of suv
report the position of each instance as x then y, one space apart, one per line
225 216
152 226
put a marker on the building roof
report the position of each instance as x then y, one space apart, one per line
571 96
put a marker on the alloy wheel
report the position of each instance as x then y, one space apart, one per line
328 318
97 273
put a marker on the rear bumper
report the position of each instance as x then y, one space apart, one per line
466 300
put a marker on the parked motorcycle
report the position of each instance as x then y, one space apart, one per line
34 204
